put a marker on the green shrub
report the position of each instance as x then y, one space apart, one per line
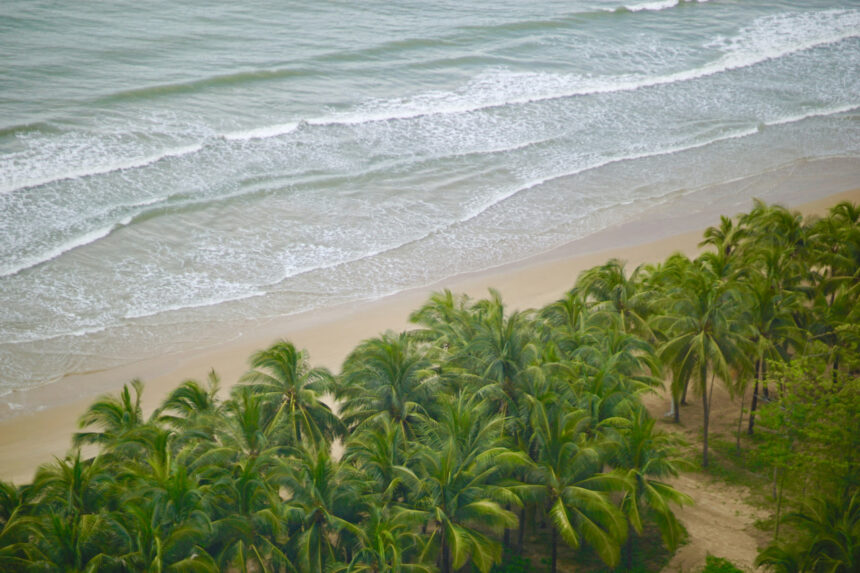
719 565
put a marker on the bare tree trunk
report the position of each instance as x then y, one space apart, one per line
554 549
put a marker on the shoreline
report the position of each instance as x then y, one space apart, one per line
32 438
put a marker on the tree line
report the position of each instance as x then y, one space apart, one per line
482 428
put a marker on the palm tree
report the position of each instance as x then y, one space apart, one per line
75 543
73 486
501 355
457 464
645 455
16 528
566 477
389 376
612 292
447 319
282 376
157 544
703 336
830 539
117 418
326 498
382 453
616 367
192 409
388 542
770 316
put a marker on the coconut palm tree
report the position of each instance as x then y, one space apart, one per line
157 544
382 453
502 355
770 315
325 497
829 540
388 542
73 486
282 376
458 464
645 456
389 377
703 336
75 543
566 478
117 417
610 291
192 409
448 320
16 528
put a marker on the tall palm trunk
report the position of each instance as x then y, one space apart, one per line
446 553
628 549
554 549
759 374
740 422
706 407
522 529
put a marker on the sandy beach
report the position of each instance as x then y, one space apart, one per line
30 439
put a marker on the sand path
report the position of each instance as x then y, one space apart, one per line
722 521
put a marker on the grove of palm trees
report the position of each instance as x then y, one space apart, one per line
491 439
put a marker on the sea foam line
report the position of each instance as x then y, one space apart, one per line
131 163
659 5
506 89
738 134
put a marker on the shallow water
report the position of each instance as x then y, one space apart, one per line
165 168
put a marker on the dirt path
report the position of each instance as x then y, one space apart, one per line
721 522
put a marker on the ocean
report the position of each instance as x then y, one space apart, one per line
172 173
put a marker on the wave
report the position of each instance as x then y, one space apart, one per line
264 132
737 134
142 211
26 128
89 171
768 39
656 6
247 76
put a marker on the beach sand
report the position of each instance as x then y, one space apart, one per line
30 439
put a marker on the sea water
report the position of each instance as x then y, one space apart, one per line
166 167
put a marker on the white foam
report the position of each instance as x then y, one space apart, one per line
14 181
79 241
738 134
766 39
262 132
653 6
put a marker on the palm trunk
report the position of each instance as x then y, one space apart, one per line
522 532
628 550
554 549
706 407
779 505
758 375
446 554
740 422
677 409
